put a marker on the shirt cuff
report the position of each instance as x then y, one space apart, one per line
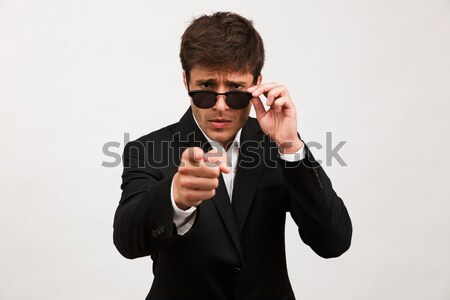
183 219
292 157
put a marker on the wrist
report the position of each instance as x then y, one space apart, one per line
290 147
176 196
181 205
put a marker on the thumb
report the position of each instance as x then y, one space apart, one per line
259 108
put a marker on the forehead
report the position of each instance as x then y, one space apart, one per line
202 73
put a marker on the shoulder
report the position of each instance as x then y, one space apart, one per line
159 135
154 139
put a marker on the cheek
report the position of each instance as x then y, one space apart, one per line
243 116
198 113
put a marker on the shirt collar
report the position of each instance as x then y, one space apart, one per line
236 141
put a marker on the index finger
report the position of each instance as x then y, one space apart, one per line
193 155
258 90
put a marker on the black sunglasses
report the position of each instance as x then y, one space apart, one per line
208 98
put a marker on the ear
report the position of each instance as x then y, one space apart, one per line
259 79
184 80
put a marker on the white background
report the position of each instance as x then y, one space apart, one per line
75 75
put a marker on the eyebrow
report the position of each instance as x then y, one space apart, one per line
200 81
212 80
230 82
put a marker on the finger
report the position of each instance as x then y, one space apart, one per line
193 154
213 155
252 88
216 157
192 161
279 104
193 196
277 92
261 89
201 170
259 108
260 86
198 183
224 168
283 103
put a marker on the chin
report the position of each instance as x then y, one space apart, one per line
221 138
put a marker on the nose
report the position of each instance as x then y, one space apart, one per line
221 104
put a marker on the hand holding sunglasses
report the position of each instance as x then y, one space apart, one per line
280 120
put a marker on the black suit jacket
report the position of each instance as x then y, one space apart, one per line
233 251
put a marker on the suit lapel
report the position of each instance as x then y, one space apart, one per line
191 136
248 172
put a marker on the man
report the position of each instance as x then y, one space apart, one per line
207 197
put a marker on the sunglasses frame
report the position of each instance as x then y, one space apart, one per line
192 93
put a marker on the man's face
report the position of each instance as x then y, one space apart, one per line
220 122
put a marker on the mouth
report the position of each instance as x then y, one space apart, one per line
219 122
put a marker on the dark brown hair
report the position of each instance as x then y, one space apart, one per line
222 41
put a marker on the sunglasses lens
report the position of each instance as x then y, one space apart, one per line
238 100
235 100
204 100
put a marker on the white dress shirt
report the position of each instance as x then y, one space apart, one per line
184 219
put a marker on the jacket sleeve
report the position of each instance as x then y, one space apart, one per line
321 216
143 222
